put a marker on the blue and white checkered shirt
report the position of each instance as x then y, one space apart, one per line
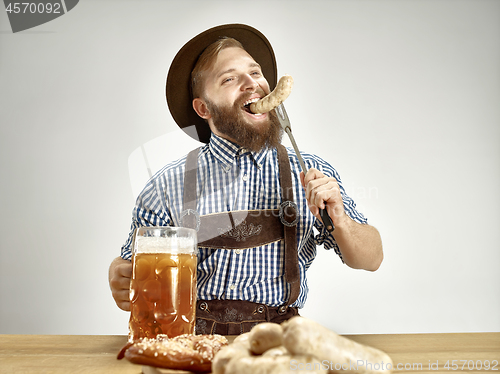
232 178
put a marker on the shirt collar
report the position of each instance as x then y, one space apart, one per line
226 152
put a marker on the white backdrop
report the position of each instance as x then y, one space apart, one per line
402 97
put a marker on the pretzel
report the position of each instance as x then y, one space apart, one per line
275 98
185 352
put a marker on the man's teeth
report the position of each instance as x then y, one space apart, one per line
247 104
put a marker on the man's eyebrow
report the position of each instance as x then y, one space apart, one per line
225 72
230 70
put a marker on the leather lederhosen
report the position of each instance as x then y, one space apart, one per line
241 230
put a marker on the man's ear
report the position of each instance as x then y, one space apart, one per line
200 107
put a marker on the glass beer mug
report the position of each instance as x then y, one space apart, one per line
163 285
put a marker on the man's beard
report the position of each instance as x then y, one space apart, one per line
230 121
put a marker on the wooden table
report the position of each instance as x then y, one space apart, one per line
423 353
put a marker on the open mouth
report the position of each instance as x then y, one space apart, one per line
246 105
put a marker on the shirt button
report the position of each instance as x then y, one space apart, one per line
232 287
245 177
238 251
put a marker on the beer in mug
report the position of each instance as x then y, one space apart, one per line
163 285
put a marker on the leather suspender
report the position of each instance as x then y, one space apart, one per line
290 212
252 229
190 214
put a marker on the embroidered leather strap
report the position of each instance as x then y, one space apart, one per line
240 229
248 229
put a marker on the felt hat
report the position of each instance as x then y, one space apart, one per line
178 87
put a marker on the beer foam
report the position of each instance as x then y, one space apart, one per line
156 244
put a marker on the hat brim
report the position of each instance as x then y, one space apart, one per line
178 86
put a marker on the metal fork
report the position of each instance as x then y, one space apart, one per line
285 123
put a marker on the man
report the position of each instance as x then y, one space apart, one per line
245 193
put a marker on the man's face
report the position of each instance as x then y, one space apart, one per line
233 82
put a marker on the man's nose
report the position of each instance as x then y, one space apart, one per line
249 83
